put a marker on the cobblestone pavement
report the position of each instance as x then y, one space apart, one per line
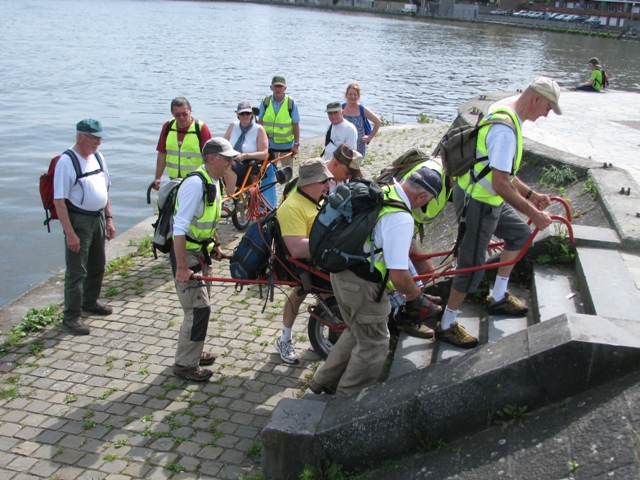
107 405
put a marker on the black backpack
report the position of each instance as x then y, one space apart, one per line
605 79
457 148
344 223
163 226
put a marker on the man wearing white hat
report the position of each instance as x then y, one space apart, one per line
487 199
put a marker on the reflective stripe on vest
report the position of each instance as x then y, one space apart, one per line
482 190
378 261
185 158
426 214
202 228
278 126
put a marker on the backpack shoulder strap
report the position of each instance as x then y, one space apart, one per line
197 127
327 138
266 101
76 163
172 122
290 104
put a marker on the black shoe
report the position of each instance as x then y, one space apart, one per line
98 308
317 389
207 359
195 374
76 326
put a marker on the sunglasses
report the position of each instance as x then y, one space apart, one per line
245 113
325 181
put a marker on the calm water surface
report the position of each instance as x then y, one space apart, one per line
122 61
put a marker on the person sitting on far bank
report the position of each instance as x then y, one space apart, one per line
198 209
248 138
180 143
340 131
492 204
84 211
595 82
357 358
360 115
295 216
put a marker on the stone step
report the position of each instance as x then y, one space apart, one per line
606 284
554 291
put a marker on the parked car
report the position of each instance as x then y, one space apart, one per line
497 12
508 12
409 8
520 13
594 21
581 18
570 18
560 17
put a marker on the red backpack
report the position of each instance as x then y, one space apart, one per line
46 184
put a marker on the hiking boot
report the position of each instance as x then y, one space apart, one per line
417 311
195 374
98 308
207 359
318 389
76 326
287 351
419 331
511 305
456 335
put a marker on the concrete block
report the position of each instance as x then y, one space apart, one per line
553 293
607 287
376 424
573 353
288 440
595 237
458 396
411 353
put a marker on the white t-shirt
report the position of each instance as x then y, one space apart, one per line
90 193
250 144
190 203
501 146
393 233
344 132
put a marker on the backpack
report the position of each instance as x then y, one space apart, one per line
402 165
163 226
605 79
46 183
250 258
345 221
457 148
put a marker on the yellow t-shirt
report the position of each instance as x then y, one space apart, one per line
296 215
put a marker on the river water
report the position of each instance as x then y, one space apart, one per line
122 61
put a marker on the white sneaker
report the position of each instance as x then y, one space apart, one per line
287 351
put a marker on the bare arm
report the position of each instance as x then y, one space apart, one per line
73 242
403 281
514 192
183 272
298 246
111 229
161 163
296 138
376 125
